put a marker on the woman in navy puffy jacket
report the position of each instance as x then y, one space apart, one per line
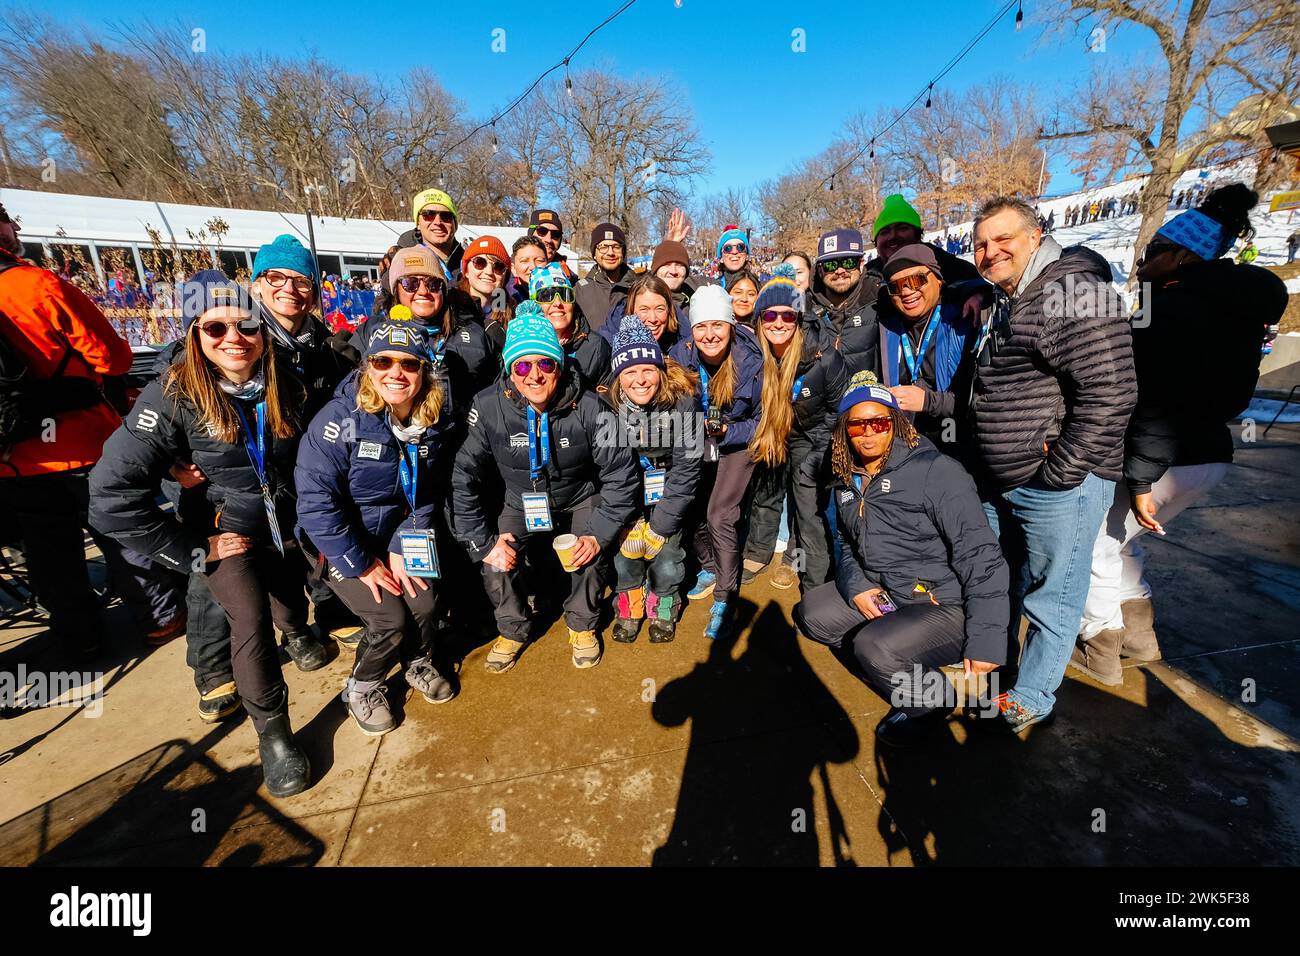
370 498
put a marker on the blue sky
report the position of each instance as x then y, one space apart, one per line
760 106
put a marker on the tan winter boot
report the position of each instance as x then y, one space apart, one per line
1140 642
1099 657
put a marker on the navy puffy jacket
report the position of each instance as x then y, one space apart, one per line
741 416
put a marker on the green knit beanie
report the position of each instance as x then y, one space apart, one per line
896 209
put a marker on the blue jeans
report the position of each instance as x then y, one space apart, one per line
1047 537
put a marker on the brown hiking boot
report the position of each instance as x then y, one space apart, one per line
1099 657
1140 642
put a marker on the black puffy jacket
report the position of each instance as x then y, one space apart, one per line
160 431
581 464
667 438
741 416
589 353
1057 369
920 523
822 377
852 322
1196 347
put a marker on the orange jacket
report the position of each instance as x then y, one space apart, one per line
46 316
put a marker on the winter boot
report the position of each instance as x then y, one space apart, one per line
1140 642
368 706
629 607
306 651
1098 657
661 609
219 702
285 767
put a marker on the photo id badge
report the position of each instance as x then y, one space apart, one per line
273 522
654 485
419 554
537 512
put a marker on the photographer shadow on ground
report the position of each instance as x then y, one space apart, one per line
762 724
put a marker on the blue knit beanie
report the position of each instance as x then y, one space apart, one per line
285 252
634 345
732 235
530 333
779 290
397 336
863 387
211 289
545 277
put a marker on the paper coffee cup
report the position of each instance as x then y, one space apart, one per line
564 545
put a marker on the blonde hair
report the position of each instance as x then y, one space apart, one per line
674 383
196 380
768 445
426 408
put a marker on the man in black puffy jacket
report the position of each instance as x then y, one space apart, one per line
1053 390
537 430
843 296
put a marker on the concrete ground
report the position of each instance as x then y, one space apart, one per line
757 750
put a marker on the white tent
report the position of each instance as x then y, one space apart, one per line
58 218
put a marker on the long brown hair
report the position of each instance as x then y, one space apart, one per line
768 445
675 382
722 383
496 315
195 380
844 460
651 284
426 408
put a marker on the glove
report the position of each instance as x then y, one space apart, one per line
653 542
633 544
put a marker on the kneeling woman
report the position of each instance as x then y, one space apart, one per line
921 582
654 401
228 405
539 432
730 366
369 505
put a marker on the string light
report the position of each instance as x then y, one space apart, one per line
1020 16
927 96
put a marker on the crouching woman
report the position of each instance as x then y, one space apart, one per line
921 582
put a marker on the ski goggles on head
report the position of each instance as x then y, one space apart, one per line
562 292
857 427
849 263
546 366
412 284
216 329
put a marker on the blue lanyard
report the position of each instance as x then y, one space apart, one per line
256 448
406 471
914 365
440 345
857 481
538 461
704 387
798 384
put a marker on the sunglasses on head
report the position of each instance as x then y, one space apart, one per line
276 280
848 263
562 292
547 232
216 329
382 363
412 284
546 366
438 215
904 283
857 427
485 262
773 315
733 248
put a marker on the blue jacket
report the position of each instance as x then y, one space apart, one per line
951 339
741 417
351 506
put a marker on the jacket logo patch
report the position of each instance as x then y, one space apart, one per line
564 443
331 432
424 451
464 335
473 416
370 449
857 320
147 420
846 496
806 392
519 440
884 485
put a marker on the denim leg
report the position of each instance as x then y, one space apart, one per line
207 637
1059 529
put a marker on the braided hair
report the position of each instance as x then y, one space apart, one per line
843 458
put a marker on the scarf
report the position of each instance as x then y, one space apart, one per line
249 391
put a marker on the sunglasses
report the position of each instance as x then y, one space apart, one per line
216 329
436 215
857 427
848 263
382 363
276 280
547 232
546 366
772 315
413 284
484 262
904 283
733 248
562 292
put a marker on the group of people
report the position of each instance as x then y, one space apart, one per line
954 445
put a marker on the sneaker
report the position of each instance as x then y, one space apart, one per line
662 632
1012 718
751 570
219 702
422 676
784 577
626 629
703 586
586 648
164 634
503 655
717 620
308 653
348 636
368 706
900 729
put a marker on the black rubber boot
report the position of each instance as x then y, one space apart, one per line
284 766
662 632
306 651
626 629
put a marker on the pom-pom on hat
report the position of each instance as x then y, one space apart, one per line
864 387
634 345
530 333
780 290
732 234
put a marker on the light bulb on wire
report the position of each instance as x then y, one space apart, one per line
1020 15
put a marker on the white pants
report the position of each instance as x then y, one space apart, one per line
1117 558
